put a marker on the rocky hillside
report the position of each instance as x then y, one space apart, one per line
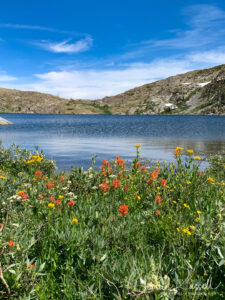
195 92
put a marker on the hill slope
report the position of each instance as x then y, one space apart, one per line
195 92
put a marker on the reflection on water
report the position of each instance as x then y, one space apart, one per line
74 139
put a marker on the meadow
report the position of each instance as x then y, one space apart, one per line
148 230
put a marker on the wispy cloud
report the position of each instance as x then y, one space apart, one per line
205 29
66 46
5 78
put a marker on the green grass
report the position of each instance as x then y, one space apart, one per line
114 233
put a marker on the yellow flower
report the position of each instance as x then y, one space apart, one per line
186 205
192 227
211 179
75 220
3 177
197 158
190 151
196 219
175 202
187 231
199 212
138 197
179 149
178 229
188 182
30 161
61 197
20 192
52 205
137 145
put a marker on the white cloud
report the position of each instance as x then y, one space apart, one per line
4 77
66 46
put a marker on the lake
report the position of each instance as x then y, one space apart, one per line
73 140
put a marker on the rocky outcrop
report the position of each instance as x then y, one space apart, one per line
4 122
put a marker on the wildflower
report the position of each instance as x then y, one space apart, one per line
104 187
120 175
178 229
71 203
23 195
197 158
138 164
52 199
62 178
75 220
163 182
158 199
123 210
199 212
31 266
41 197
188 182
158 212
38 174
1 225
179 149
116 183
52 205
10 243
176 153
125 187
154 175
61 197
120 162
3 177
137 146
58 202
49 185
192 227
44 177
190 152
174 202
210 179
143 169
138 197
187 231
186 205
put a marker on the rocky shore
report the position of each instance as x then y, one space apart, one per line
4 122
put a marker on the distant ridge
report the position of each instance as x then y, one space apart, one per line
195 92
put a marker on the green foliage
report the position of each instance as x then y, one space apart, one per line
168 243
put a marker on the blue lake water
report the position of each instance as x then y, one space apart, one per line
73 140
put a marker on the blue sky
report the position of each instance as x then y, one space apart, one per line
94 48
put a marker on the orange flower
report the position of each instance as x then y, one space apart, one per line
176 153
41 197
31 266
10 243
23 195
38 174
62 178
104 187
58 202
120 162
158 212
143 169
163 182
115 183
123 210
71 203
154 175
158 199
49 185
52 199
138 164
104 174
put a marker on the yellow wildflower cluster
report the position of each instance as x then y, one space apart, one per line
3 177
51 205
186 205
197 158
75 220
137 145
211 180
34 158
187 231
179 148
190 151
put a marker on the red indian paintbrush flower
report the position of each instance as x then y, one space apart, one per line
10 243
52 199
62 178
104 187
123 210
71 203
115 183
163 182
38 174
158 199
23 195
49 185
158 212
